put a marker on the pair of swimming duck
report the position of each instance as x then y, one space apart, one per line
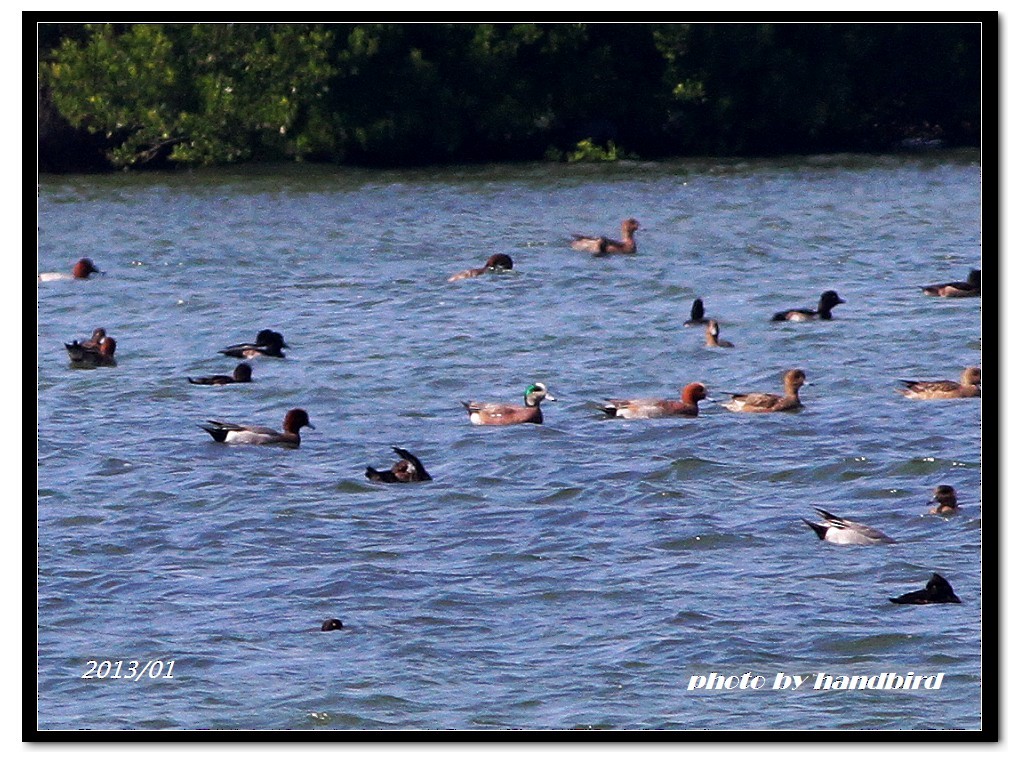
267 343
94 352
829 300
711 325
500 414
748 403
408 470
837 530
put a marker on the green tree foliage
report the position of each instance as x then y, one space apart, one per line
399 94
204 93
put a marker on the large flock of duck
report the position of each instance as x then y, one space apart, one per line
99 349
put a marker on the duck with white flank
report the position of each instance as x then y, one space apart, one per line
227 432
837 530
826 303
509 413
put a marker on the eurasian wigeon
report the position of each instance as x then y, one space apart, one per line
408 470
508 413
836 530
83 357
293 421
242 373
969 386
267 342
697 313
495 264
654 408
332 624
712 336
763 403
602 245
826 303
945 501
969 288
81 270
937 591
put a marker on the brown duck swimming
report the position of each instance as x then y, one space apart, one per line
712 336
508 413
969 386
655 408
602 245
761 403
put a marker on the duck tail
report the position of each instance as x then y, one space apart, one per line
218 433
819 529
825 514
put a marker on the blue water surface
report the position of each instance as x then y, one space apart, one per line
575 574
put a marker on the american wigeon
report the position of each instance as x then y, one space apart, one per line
508 413
495 264
83 357
332 624
293 421
697 313
712 336
945 501
936 591
408 470
836 530
655 408
81 270
762 403
969 386
242 373
602 245
267 343
969 288
826 303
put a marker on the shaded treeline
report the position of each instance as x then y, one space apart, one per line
131 95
